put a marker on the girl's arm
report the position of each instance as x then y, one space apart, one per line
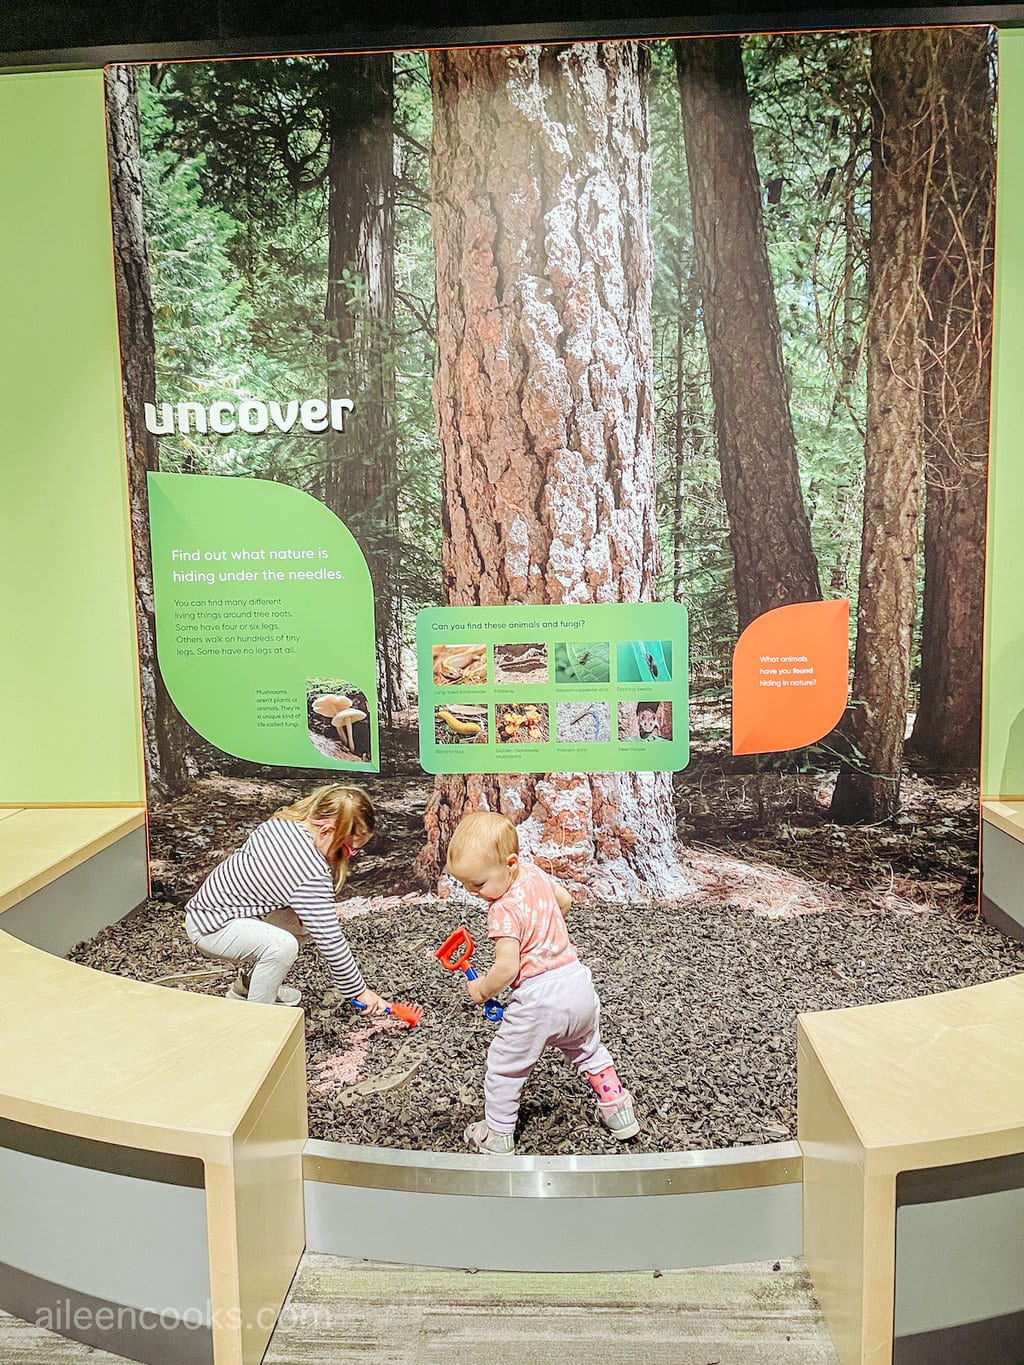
314 904
562 897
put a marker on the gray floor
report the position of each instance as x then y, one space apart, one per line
341 1312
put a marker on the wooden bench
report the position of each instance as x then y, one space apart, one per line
1002 865
150 1139
911 1123
68 871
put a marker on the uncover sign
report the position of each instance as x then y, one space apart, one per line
251 415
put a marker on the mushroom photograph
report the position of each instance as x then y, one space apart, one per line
337 715
521 723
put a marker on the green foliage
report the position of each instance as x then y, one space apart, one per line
200 317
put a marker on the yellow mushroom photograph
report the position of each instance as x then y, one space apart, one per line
521 723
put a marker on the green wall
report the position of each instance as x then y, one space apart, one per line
69 727
69 709
1002 765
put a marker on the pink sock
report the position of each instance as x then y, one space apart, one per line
606 1084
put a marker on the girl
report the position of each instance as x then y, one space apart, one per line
278 889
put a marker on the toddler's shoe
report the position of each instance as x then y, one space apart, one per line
618 1117
480 1137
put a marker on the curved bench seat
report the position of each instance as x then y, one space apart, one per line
151 1158
68 871
150 1161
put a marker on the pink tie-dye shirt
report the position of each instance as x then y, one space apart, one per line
529 912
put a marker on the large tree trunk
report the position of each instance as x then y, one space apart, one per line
957 281
868 787
769 532
541 198
361 479
168 741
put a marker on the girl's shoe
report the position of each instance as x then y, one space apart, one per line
286 995
482 1139
618 1117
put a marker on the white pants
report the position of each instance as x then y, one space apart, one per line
272 942
555 1009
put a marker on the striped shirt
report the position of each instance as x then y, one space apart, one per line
278 866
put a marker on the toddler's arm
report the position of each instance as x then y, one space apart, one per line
562 897
502 974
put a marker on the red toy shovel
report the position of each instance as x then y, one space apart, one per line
455 954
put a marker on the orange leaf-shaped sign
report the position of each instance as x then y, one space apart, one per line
790 677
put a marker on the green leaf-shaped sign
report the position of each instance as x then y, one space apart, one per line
264 621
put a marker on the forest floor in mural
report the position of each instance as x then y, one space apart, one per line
699 1000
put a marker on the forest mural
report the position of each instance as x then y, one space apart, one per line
705 321
716 354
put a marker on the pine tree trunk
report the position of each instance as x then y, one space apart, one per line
868 788
957 282
360 479
769 533
169 743
543 394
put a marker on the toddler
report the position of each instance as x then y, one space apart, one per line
553 1001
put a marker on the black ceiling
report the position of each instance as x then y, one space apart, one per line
87 31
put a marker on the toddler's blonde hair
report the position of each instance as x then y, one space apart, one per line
351 810
482 833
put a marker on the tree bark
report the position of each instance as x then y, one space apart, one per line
769 533
361 474
169 743
957 282
543 394
868 785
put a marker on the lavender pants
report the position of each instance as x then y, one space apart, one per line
555 1009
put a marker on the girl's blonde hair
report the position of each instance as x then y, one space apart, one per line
351 810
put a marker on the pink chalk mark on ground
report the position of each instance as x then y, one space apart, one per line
343 1068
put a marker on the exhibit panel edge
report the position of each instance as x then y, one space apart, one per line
69 695
1002 751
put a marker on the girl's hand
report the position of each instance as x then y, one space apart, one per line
475 993
374 1003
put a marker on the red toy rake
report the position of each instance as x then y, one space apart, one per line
454 955
401 1009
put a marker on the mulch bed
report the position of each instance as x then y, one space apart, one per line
699 1001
